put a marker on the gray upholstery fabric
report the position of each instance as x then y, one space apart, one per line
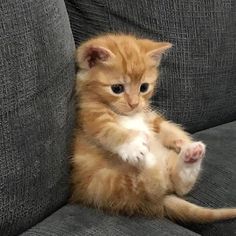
216 188
198 75
75 220
36 110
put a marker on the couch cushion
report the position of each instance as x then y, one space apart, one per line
217 184
36 111
78 220
198 75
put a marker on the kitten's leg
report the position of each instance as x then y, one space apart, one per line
103 129
186 166
172 136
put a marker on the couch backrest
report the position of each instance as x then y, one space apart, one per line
36 111
198 76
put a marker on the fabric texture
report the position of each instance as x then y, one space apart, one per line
36 111
198 76
75 220
215 188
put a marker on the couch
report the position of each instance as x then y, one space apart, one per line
197 89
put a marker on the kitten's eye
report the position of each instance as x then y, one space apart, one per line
118 88
144 87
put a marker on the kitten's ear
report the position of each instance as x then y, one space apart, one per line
156 54
89 55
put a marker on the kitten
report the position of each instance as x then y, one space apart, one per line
127 158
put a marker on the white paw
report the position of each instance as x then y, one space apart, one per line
193 152
135 150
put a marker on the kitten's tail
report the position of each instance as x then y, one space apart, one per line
179 209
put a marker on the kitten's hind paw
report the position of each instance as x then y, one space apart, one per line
193 152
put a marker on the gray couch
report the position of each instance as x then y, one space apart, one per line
197 89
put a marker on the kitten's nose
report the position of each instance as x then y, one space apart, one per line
133 100
133 104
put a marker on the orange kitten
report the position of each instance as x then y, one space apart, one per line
128 158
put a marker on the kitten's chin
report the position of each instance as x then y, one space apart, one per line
127 113
133 112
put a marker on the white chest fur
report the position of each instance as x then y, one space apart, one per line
135 122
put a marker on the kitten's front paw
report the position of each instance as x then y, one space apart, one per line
193 152
134 151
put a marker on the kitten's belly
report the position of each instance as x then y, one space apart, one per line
158 153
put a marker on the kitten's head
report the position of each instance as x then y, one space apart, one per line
119 71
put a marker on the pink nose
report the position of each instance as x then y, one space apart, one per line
133 104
